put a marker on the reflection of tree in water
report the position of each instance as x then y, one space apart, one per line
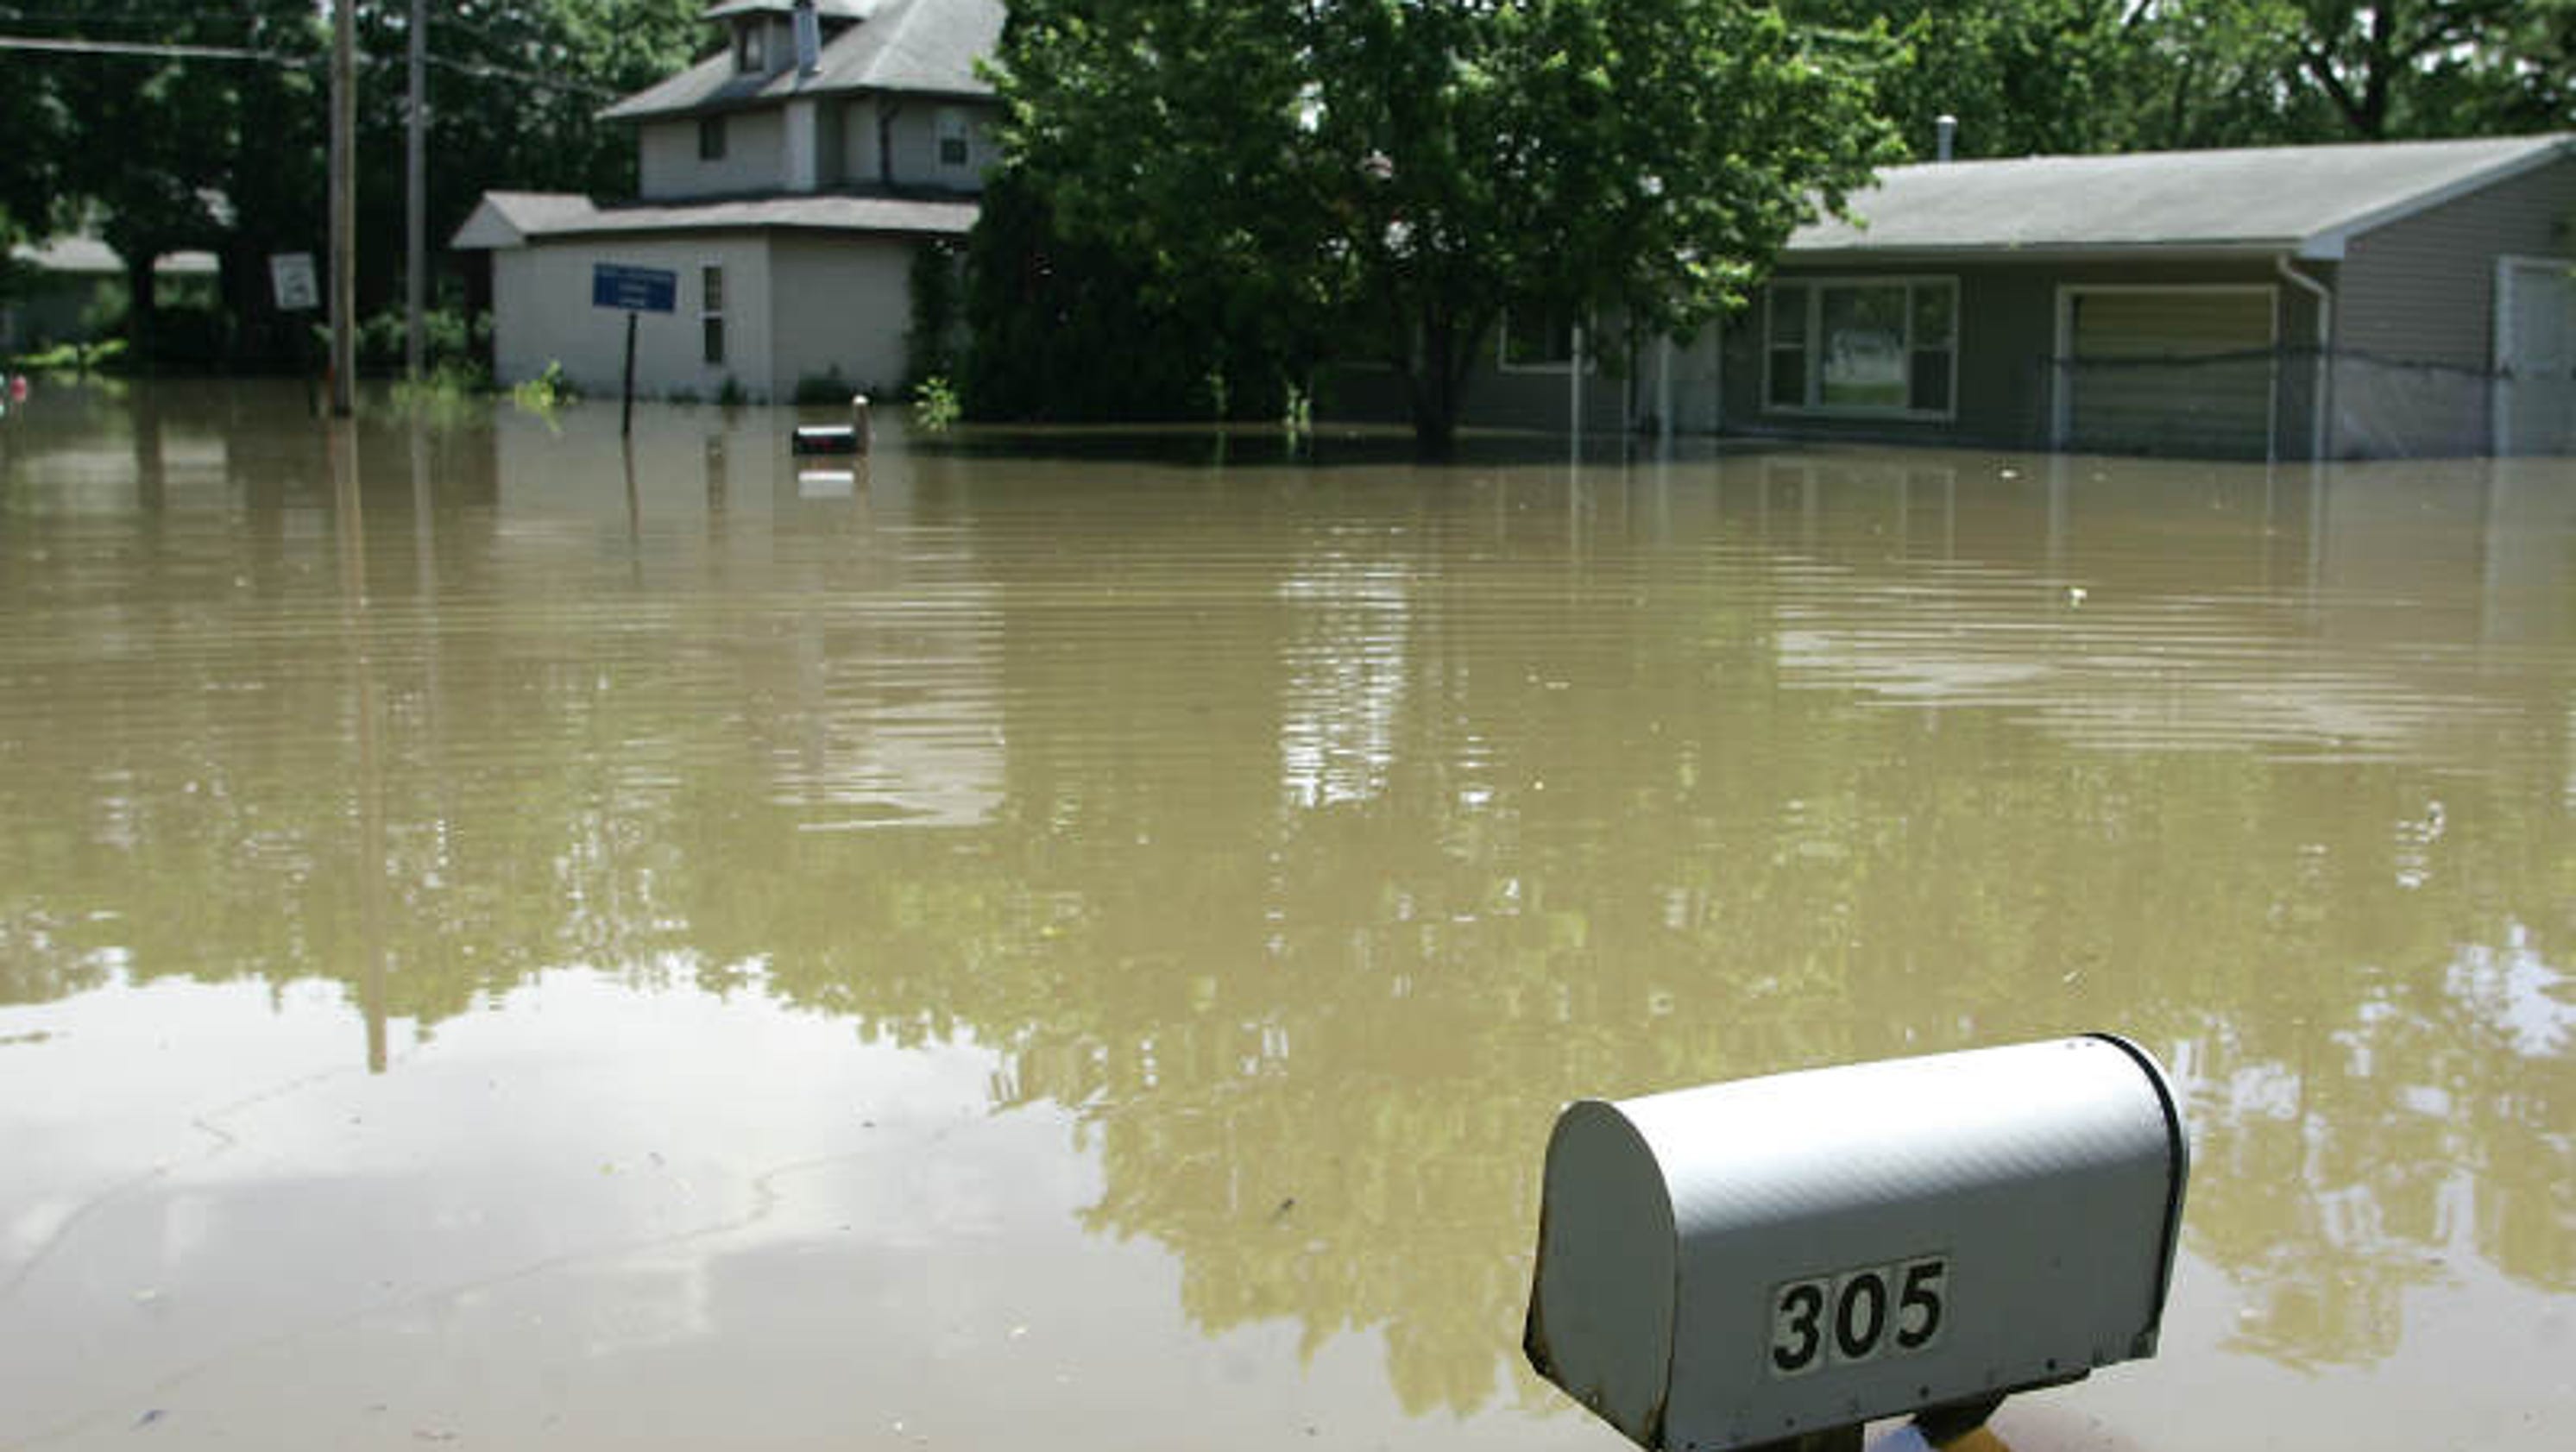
1317 1041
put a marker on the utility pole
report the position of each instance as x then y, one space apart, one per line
344 202
416 192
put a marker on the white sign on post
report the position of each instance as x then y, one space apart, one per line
291 275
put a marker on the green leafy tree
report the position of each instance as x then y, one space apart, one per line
2406 67
142 146
2219 72
1397 175
161 152
514 88
2022 76
1074 331
33 124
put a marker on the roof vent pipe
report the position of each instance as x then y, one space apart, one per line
1947 128
809 39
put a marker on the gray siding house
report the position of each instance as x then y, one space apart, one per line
70 283
2397 299
788 179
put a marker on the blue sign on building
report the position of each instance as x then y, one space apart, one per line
633 289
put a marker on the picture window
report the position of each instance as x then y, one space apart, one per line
1885 347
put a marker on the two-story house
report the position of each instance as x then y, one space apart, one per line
787 180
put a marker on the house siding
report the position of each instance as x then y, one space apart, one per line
755 157
2422 289
542 313
867 281
2007 339
913 137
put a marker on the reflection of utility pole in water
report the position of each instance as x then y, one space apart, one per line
352 533
151 468
424 546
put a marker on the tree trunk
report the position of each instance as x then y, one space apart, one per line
142 309
1435 412
1438 381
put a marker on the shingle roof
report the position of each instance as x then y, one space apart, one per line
2303 199
512 219
828 9
925 46
88 255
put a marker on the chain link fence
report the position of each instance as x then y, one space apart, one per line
2261 404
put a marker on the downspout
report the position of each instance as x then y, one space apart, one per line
887 109
2320 406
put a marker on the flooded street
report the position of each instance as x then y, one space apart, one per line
1082 938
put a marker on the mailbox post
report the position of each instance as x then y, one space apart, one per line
1778 1260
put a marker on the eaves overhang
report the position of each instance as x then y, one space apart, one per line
2231 250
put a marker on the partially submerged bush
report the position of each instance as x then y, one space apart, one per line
546 392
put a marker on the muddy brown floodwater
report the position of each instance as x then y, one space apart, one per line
1079 939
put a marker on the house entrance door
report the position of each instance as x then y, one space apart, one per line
2535 398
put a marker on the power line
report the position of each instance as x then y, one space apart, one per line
162 50
481 70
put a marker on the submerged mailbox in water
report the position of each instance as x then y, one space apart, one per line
1764 1260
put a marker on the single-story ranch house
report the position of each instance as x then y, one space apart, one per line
786 181
73 285
2404 298
2367 300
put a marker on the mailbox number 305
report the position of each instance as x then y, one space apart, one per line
1859 1315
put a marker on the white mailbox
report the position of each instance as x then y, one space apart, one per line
1765 1260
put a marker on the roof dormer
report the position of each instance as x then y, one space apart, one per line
768 36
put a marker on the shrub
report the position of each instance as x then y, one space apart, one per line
934 405
447 335
74 357
546 392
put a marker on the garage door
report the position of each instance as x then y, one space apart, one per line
2170 372
2535 357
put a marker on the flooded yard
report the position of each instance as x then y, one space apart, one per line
511 941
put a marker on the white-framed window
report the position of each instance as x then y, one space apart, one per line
1535 340
956 148
1876 346
711 304
711 138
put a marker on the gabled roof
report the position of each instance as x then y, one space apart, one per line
921 46
828 9
89 256
513 219
2305 200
